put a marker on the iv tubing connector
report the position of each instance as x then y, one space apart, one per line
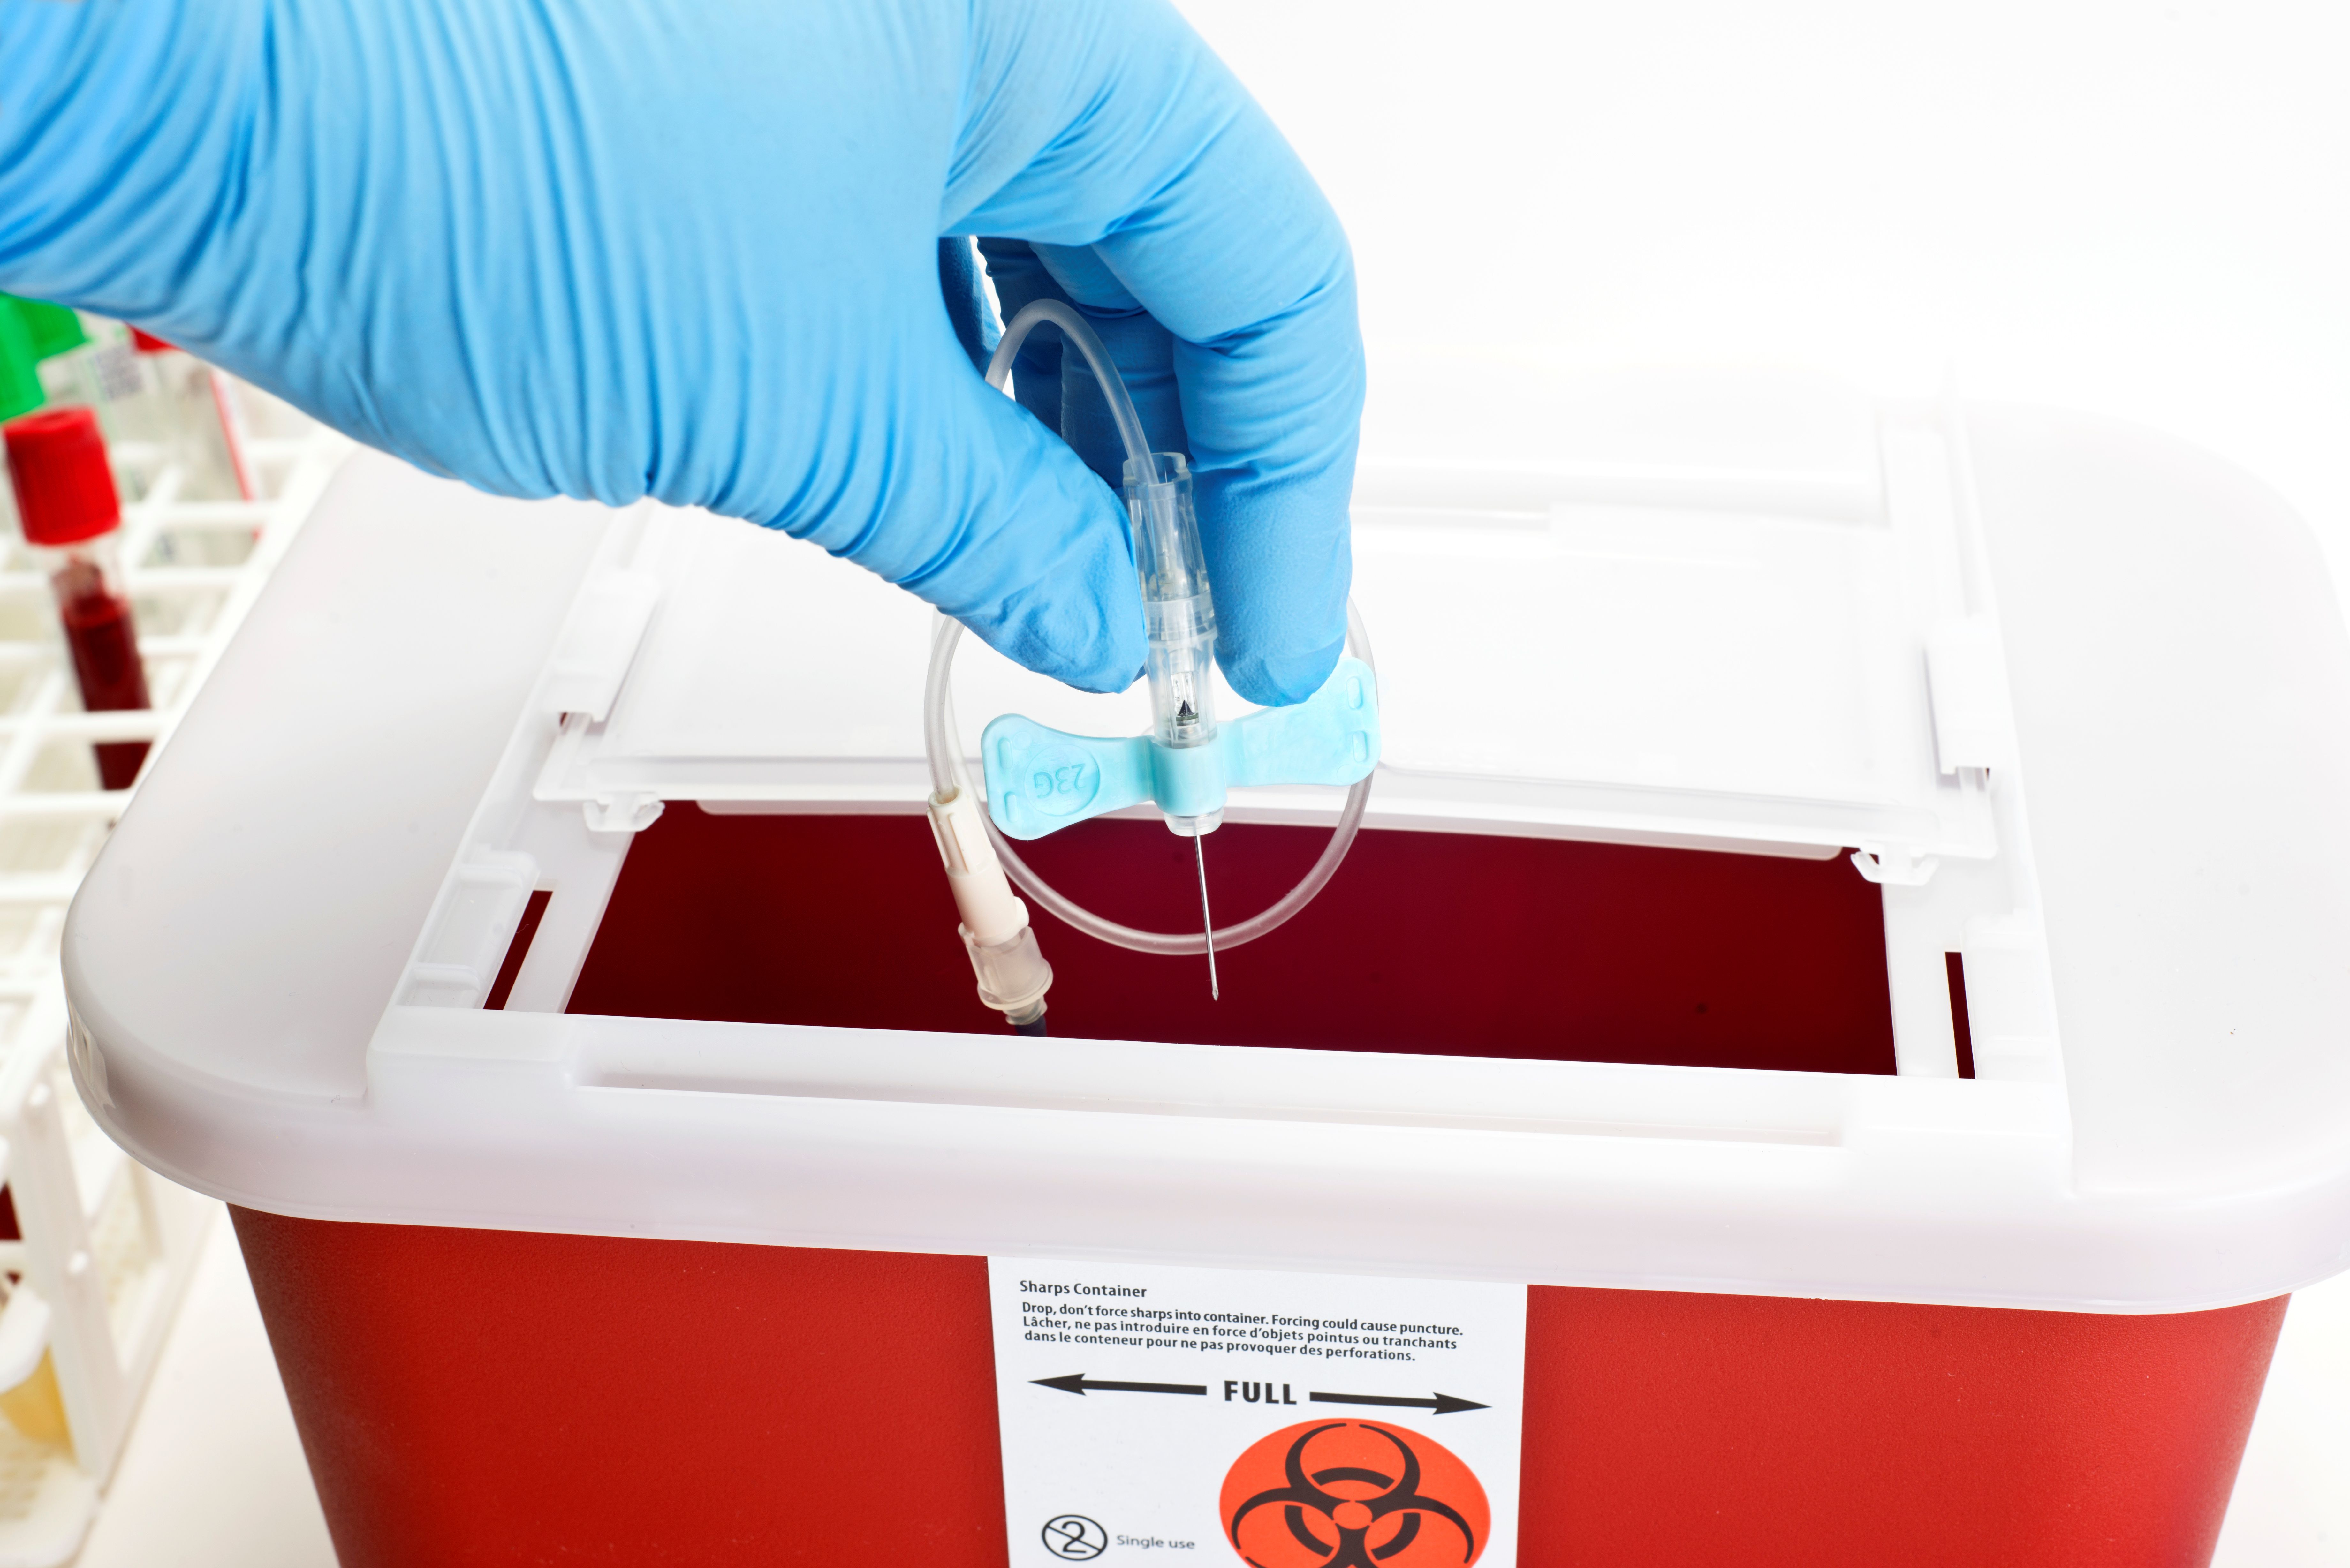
1011 968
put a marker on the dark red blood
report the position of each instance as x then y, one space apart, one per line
104 646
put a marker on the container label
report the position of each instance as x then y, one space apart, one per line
1207 1416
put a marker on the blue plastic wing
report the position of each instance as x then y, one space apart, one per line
1331 738
1041 780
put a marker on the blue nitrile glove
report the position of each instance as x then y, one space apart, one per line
689 248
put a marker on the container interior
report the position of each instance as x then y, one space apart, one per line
1442 943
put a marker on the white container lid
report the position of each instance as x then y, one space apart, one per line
1872 627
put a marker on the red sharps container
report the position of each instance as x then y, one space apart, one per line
72 518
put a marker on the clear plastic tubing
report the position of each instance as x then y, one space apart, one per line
71 516
1161 471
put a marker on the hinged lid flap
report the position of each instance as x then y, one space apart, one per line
1633 638
599 642
1967 675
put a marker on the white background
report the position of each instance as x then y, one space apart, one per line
2133 206
2138 207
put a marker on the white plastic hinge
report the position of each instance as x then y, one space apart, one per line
622 814
1966 681
479 911
2010 999
597 643
1895 865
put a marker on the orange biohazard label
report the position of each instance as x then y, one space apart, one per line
1155 1413
1352 1494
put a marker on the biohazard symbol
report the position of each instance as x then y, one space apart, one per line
1352 1494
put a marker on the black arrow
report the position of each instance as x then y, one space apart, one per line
1444 1404
1078 1383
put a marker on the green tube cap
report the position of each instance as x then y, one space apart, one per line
20 367
31 332
53 328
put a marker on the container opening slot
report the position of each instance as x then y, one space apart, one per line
1955 966
1454 944
518 950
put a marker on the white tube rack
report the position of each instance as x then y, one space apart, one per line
105 1247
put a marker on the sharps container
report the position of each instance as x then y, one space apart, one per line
1851 929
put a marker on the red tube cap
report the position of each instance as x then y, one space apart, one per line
65 488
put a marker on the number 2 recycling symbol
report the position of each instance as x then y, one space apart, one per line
1352 1494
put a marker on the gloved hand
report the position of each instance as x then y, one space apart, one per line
690 249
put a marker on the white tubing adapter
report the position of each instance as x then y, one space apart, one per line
1011 970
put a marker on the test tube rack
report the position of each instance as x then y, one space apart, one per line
100 1250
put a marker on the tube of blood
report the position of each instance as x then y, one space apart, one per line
72 516
20 384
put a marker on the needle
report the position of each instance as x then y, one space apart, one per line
1207 921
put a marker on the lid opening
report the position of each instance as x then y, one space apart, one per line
1541 949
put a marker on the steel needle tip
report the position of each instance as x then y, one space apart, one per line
1207 921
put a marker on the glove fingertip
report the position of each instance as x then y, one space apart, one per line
1278 679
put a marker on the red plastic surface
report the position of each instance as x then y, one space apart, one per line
64 482
1672 1431
479 1399
1517 947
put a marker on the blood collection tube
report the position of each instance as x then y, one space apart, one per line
71 516
174 397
